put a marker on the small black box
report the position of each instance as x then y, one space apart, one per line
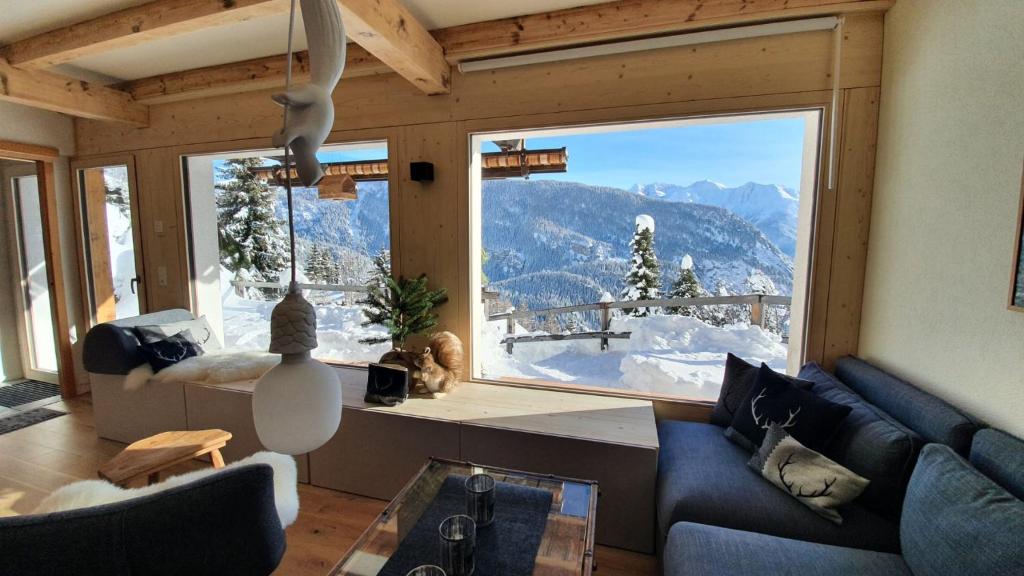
421 171
387 384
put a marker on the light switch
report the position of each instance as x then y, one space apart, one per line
161 275
158 227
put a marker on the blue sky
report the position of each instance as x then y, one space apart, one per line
764 151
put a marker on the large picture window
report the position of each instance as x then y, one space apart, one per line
634 257
239 240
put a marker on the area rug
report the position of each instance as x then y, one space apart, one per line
23 419
26 392
507 547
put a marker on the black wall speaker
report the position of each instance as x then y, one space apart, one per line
421 171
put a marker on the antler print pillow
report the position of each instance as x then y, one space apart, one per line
773 399
817 482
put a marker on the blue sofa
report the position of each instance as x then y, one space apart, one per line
717 516
226 523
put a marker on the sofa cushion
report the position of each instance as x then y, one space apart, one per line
869 442
738 380
200 328
812 420
699 550
957 521
704 478
113 347
169 351
1000 456
931 417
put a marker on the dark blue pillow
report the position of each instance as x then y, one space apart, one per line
869 442
813 421
169 351
957 521
737 382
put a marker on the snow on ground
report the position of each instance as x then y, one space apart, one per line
247 326
676 355
122 260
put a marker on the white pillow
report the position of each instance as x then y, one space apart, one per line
86 493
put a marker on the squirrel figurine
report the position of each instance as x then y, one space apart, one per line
435 370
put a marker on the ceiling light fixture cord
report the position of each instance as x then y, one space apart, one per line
287 149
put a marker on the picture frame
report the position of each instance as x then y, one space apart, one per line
1016 301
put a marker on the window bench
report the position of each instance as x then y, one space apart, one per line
379 448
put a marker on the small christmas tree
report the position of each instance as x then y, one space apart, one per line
404 307
250 235
644 278
686 286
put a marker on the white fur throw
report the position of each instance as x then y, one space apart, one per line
96 492
214 367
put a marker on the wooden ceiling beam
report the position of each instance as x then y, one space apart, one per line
627 19
132 26
390 32
40 89
247 76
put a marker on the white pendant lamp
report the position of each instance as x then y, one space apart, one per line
297 404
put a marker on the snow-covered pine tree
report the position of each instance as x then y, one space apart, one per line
644 278
312 265
686 285
251 237
723 314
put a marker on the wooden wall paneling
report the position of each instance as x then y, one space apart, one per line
852 224
625 511
615 21
209 407
428 227
742 68
55 277
861 50
374 454
159 200
95 214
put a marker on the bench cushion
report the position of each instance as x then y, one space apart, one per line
869 442
704 478
932 418
957 521
1000 456
699 550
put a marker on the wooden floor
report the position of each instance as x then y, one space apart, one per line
38 459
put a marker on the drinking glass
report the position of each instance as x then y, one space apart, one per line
480 499
426 570
458 543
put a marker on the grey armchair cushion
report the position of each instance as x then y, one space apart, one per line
932 418
957 521
704 478
222 524
869 442
113 347
1000 456
699 550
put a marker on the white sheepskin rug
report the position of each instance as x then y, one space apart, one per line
88 493
215 367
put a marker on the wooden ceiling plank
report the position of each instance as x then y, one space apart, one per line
247 76
627 19
40 89
386 29
133 26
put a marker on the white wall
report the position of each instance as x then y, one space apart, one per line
947 187
32 126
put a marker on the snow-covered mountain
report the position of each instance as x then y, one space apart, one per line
770 207
535 228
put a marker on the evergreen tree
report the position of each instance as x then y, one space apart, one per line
381 268
686 286
404 307
251 237
775 317
312 265
644 278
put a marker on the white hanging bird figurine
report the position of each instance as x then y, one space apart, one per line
310 109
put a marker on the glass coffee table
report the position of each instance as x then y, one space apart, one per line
566 547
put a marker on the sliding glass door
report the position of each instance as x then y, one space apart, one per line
111 241
39 350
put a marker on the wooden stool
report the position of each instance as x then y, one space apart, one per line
147 457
